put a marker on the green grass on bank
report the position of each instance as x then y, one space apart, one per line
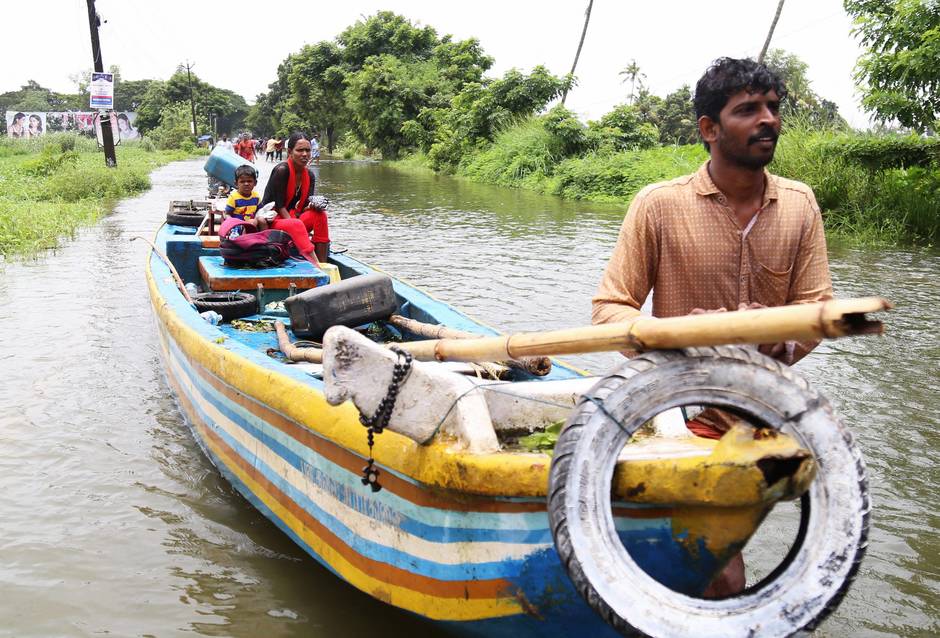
52 186
860 204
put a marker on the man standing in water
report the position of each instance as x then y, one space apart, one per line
246 147
730 236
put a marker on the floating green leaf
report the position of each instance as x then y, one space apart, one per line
543 441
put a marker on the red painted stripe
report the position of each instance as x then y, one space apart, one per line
353 462
476 589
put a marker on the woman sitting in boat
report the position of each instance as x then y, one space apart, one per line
290 186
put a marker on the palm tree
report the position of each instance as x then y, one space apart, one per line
773 25
587 18
633 75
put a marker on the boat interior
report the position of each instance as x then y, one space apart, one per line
522 403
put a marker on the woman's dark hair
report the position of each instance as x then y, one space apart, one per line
727 76
294 138
19 116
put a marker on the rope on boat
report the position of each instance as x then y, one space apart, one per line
165 259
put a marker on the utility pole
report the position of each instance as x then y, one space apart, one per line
207 110
107 135
192 101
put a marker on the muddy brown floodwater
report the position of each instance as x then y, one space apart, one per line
113 522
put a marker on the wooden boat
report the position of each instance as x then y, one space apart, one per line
460 532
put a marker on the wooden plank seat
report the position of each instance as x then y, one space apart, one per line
219 277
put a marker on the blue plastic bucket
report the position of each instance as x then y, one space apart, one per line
221 164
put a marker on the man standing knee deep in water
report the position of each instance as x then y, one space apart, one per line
730 236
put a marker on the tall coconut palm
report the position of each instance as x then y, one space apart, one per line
587 18
773 25
634 76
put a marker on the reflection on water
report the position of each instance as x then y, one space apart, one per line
114 522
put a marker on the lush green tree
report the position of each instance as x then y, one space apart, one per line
226 107
480 110
385 33
383 95
676 115
174 128
385 79
317 83
632 74
622 129
460 62
262 117
34 97
569 134
398 100
151 106
647 106
801 100
899 74
128 94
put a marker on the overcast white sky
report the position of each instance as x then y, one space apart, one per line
237 44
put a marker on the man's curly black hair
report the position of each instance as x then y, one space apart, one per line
727 76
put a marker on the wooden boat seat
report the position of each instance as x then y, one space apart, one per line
219 277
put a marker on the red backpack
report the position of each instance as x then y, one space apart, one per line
261 249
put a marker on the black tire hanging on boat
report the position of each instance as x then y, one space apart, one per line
814 577
185 219
231 305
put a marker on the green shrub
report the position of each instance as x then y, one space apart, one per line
68 142
350 148
521 152
174 129
50 161
860 203
570 135
623 129
618 176
880 152
97 182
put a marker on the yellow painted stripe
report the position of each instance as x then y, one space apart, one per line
437 608
450 553
436 464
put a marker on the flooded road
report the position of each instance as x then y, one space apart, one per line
113 522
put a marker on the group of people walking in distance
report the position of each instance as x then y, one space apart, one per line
272 148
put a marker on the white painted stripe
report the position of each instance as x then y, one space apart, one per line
369 528
521 522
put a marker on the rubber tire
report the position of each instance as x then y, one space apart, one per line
231 305
185 219
756 387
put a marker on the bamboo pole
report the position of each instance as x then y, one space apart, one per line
538 366
800 322
292 352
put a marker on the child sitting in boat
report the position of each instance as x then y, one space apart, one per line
242 204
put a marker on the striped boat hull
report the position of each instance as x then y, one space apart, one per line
479 560
482 565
